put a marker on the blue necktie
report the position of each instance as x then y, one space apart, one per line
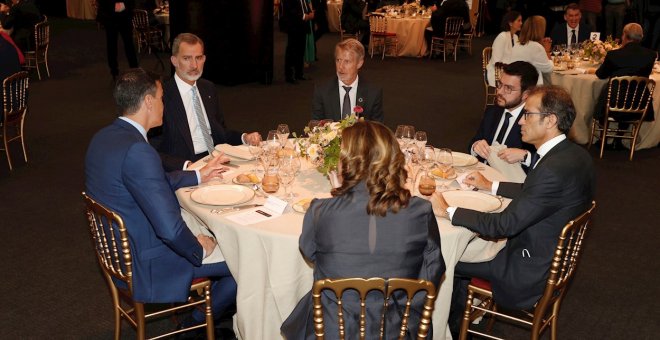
535 159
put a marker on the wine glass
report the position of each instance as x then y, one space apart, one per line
286 174
427 157
255 151
283 133
420 139
408 134
272 141
399 135
445 161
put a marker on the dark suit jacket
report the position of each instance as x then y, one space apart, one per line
292 16
451 8
21 18
106 11
488 127
630 60
326 100
9 63
173 141
335 236
560 31
124 173
351 15
558 189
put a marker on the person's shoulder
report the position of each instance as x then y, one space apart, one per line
419 205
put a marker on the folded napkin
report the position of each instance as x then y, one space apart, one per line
460 179
512 172
241 152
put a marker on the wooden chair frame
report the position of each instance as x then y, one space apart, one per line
491 91
14 108
363 287
465 39
146 36
449 40
113 252
40 53
545 313
381 37
633 98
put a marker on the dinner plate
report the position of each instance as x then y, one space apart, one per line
300 205
463 159
472 200
225 194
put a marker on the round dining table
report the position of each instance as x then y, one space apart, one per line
334 7
410 33
271 273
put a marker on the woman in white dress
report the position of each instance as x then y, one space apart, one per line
533 47
504 42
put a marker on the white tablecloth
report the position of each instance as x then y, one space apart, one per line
333 15
585 90
80 9
270 271
410 32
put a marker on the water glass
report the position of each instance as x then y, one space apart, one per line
283 133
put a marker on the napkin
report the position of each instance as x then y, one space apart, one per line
197 227
460 179
235 151
512 172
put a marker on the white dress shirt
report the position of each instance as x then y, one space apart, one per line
185 90
352 94
569 33
501 51
515 114
533 53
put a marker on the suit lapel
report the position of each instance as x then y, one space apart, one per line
335 109
497 116
361 97
178 114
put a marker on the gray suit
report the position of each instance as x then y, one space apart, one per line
336 237
326 100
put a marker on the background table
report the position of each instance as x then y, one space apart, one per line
80 9
585 90
410 32
333 15
272 275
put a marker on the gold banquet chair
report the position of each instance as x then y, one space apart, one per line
14 109
343 35
146 36
465 39
449 41
380 37
546 311
363 287
114 255
628 96
491 91
39 55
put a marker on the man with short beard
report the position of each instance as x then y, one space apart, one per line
500 122
188 99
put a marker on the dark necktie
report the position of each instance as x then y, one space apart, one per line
573 37
346 108
535 158
505 126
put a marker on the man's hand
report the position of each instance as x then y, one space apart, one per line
214 168
482 148
512 155
253 138
439 204
208 243
547 44
477 180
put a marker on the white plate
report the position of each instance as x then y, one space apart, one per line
226 194
472 200
463 159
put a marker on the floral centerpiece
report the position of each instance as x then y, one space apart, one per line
596 50
323 144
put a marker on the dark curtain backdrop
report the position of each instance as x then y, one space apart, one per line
55 8
238 36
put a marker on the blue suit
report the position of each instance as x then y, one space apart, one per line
125 173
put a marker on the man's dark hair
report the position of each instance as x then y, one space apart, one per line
556 100
131 87
571 6
528 74
508 18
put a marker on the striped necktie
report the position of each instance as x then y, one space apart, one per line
197 106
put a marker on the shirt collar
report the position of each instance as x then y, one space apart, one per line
136 125
183 87
547 146
352 85
515 113
577 28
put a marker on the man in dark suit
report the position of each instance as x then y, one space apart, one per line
295 22
9 59
338 97
500 123
572 31
559 187
20 20
124 173
353 19
183 139
116 16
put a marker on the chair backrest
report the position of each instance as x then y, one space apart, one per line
140 19
42 35
14 97
363 286
453 27
110 240
499 66
377 24
630 95
486 54
564 263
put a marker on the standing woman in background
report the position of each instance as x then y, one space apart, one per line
504 42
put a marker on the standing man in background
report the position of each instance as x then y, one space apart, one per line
116 16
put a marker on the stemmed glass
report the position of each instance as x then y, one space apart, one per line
427 159
420 139
399 135
556 50
408 134
445 162
288 167
283 133
255 151
272 141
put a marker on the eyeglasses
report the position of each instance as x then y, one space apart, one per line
526 114
506 88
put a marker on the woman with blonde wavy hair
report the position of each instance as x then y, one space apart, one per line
533 48
371 227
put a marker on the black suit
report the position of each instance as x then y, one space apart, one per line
173 141
9 63
559 33
558 189
326 100
21 18
296 29
488 127
451 8
117 24
630 60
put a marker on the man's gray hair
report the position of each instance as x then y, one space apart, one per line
633 31
187 38
351 45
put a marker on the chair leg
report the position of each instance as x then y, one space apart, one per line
139 320
4 137
117 322
46 63
491 321
633 143
210 328
593 130
36 64
465 322
603 138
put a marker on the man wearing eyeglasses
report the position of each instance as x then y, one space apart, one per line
500 123
558 188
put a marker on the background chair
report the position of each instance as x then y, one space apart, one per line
114 255
450 40
364 286
545 313
380 37
146 36
491 91
627 103
465 39
40 53
343 34
14 108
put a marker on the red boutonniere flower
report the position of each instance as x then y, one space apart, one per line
358 110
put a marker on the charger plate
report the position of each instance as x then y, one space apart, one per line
472 200
225 194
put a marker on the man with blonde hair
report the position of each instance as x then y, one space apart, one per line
347 92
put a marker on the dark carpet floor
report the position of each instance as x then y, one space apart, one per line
51 285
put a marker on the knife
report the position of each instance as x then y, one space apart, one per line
241 207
